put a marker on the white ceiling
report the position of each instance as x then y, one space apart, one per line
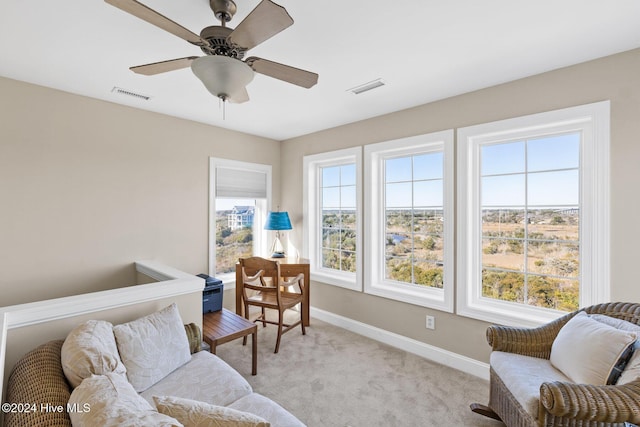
424 50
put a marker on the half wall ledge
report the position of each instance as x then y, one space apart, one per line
113 305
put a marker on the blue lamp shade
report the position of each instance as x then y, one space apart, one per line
278 221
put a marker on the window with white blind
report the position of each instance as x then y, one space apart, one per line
239 201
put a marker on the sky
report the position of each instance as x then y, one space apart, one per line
514 174
539 172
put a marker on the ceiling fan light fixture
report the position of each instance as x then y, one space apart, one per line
223 76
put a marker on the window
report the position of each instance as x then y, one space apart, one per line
234 232
332 216
338 210
241 196
533 221
409 225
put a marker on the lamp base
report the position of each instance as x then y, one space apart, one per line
277 255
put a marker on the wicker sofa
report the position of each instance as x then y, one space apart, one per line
560 402
41 377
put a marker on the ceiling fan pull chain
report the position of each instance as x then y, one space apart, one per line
223 99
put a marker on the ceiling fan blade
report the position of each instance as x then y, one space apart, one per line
283 72
240 96
163 66
264 22
145 13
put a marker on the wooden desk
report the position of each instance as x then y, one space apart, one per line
289 267
223 326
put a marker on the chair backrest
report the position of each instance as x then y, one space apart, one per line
254 272
620 310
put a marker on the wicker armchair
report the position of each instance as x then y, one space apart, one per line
561 403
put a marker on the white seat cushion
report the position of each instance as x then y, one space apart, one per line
523 376
206 378
265 408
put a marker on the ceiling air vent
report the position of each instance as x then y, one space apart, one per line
126 92
367 86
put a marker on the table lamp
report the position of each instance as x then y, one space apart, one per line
277 221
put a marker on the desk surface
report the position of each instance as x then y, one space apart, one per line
291 260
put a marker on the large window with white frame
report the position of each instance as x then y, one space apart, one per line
332 216
533 215
409 222
238 204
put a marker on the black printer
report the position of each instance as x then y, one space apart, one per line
212 294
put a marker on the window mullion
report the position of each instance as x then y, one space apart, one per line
553 144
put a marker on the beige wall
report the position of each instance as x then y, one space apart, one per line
615 78
87 187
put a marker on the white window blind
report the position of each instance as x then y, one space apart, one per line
240 183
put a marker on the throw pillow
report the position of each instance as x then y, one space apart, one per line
152 347
587 351
90 348
110 401
631 371
192 413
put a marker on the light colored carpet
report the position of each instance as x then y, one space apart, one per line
335 378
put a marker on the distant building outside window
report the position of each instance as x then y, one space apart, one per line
240 217
239 202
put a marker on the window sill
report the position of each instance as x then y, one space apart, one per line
508 314
412 294
336 279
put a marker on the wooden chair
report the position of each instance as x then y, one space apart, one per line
560 403
264 287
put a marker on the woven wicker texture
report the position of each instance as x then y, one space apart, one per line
564 404
194 335
38 379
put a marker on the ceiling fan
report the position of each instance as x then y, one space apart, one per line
223 71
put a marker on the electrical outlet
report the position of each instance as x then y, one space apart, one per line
431 322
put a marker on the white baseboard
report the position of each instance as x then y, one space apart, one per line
436 354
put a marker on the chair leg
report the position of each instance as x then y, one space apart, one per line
280 325
264 317
302 324
481 409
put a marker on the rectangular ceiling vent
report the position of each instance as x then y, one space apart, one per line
126 92
367 86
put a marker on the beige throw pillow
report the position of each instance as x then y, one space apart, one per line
192 413
152 347
110 401
587 351
90 348
631 371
